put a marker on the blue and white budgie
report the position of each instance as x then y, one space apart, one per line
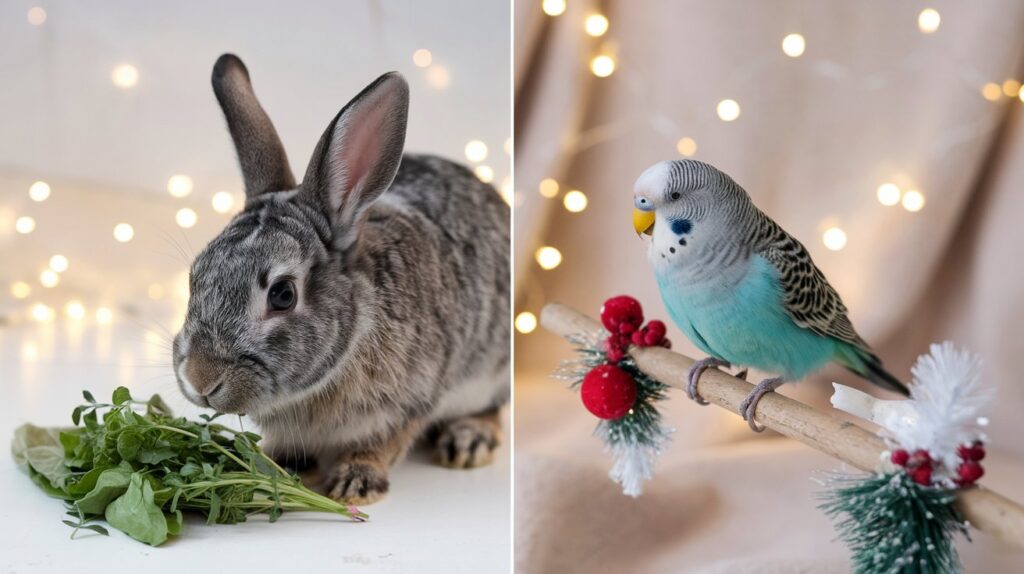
740 287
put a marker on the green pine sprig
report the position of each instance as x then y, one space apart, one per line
894 525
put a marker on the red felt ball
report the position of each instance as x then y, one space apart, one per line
920 457
608 392
899 457
922 474
969 472
622 314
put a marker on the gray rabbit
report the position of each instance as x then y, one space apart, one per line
356 311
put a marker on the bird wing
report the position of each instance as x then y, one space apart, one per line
808 298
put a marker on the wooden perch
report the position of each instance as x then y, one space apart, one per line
986 510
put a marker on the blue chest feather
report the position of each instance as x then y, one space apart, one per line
745 323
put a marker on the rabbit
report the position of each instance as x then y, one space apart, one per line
353 312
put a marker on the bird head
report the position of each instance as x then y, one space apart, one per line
671 188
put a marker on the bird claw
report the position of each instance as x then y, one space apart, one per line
749 405
696 370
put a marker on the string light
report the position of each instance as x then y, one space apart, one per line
438 77
548 258
596 25
728 110
125 76
104 315
36 16
422 57
49 278
59 263
75 310
223 202
928 20
834 238
794 45
526 322
484 173
20 289
476 151
888 194
602 66
186 218
1011 88
1021 95
686 147
553 7
575 201
123 232
39 191
991 91
913 200
42 313
179 186
549 188
25 225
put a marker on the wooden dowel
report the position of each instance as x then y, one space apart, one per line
986 510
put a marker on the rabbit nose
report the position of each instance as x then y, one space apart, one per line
203 373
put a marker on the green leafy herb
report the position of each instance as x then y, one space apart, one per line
135 465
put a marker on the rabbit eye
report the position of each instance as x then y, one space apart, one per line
281 296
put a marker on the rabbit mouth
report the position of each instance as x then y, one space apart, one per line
229 387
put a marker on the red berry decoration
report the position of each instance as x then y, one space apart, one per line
974 452
920 457
622 314
969 472
922 475
608 392
654 333
899 457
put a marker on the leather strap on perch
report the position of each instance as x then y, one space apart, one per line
986 510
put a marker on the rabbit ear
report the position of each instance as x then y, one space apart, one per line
260 153
358 155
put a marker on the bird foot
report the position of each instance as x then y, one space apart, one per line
696 370
749 404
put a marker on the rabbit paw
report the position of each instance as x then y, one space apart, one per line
468 442
358 483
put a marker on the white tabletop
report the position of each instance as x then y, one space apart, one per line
434 519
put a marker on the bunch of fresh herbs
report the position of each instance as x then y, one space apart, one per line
136 466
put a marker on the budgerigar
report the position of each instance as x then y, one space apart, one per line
740 287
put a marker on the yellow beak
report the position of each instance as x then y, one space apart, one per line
643 221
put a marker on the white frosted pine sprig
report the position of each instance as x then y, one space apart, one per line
948 398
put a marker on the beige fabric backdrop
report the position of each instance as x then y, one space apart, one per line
872 100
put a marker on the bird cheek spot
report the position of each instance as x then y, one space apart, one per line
682 242
672 249
681 226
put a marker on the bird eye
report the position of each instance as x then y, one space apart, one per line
281 296
676 195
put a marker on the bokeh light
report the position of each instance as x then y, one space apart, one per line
602 66
928 20
553 7
179 186
834 238
186 218
888 194
794 45
548 257
913 200
575 201
548 188
476 151
125 76
39 191
124 232
422 57
596 25
728 110
222 202
686 147
25 225
526 322
59 263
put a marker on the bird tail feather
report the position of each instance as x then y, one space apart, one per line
868 366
